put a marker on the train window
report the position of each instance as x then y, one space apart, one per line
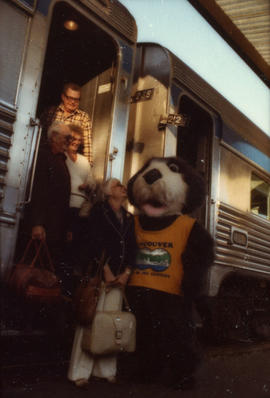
260 197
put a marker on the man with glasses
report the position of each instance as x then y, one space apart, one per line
68 112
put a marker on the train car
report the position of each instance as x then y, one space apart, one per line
175 112
143 102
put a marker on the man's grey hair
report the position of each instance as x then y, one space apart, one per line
55 127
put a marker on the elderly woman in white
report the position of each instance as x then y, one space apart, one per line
111 230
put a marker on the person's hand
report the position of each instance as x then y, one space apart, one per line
122 279
82 187
109 277
38 232
69 236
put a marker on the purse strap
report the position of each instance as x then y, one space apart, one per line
28 246
37 254
49 258
126 304
101 262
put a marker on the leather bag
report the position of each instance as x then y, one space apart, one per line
87 294
111 332
38 283
86 299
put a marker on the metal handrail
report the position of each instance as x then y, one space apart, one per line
33 155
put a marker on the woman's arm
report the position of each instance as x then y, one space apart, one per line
109 277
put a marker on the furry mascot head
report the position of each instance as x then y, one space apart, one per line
166 186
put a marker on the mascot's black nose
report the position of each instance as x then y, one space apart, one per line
152 176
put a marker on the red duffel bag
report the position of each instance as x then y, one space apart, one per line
36 279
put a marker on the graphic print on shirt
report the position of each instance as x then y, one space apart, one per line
158 259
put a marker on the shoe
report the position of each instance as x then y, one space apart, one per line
81 383
112 379
185 383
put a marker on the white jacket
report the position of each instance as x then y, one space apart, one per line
80 173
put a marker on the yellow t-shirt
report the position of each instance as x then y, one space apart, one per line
159 259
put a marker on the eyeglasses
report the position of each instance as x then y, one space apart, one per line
71 98
68 138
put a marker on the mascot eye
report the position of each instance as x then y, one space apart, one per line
174 167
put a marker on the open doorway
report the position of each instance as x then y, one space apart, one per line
194 142
86 56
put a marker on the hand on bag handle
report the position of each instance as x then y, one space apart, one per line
121 280
38 232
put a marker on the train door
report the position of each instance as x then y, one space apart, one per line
101 63
194 144
149 101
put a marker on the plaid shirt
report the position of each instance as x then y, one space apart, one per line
78 117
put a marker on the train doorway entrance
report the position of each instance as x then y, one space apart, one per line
194 143
81 52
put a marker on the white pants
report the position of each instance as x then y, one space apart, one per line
83 365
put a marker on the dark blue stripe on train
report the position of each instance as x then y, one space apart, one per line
237 142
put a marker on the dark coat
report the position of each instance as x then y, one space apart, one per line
51 192
105 232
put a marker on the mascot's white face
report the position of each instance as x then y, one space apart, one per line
159 189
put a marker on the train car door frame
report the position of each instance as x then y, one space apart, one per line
26 125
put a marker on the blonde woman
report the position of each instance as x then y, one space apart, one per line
111 230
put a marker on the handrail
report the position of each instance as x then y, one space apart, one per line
33 155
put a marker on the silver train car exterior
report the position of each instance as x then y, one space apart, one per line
232 154
143 102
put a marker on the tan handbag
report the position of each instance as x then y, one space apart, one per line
111 332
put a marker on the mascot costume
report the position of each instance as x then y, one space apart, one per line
174 254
